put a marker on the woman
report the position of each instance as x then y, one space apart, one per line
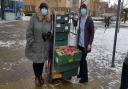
85 39
124 78
37 36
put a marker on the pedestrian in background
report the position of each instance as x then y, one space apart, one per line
85 39
19 7
38 45
107 22
124 77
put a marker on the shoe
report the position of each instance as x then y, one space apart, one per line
83 81
41 80
69 78
78 76
37 82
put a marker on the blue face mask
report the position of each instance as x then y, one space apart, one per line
44 12
83 11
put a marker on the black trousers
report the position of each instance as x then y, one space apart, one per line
38 69
83 73
124 77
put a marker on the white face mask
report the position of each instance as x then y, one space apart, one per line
44 12
83 11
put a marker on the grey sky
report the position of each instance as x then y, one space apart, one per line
116 1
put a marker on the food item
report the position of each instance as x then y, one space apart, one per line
69 52
66 50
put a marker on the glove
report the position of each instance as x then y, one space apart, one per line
47 36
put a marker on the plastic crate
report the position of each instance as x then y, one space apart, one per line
70 73
61 42
62 18
67 59
62 35
66 67
62 58
62 27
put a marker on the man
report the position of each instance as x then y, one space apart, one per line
124 78
85 39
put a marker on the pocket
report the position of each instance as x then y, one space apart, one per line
36 47
28 51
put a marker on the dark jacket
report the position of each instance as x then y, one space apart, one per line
126 59
89 32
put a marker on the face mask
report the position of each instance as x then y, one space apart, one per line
83 11
44 12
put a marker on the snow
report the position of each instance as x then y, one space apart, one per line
26 18
7 43
22 43
100 58
6 21
103 47
12 43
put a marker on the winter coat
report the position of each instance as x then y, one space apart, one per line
126 59
89 33
37 49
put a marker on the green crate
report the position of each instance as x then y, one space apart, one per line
66 27
61 43
67 59
59 27
70 73
62 27
66 67
62 35
62 18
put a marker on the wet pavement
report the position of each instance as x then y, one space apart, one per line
16 70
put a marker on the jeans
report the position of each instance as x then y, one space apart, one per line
83 73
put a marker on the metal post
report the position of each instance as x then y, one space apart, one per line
116 31
122 8
2 9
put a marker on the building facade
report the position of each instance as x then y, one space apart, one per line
59 5
8 9
97 7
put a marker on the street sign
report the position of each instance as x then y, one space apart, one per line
19 5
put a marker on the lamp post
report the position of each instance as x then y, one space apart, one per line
116 31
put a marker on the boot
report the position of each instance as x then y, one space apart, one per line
41 80
37 82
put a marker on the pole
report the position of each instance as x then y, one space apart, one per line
116 31
2 9
122 8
